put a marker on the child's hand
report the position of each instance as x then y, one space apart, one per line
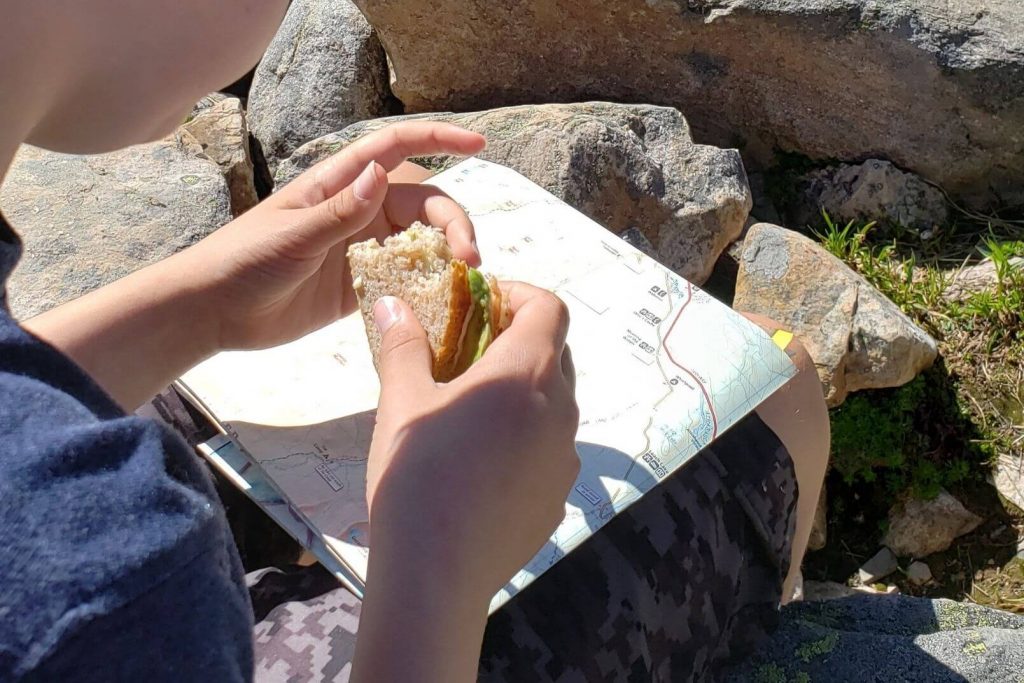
477 469
280 270
466 482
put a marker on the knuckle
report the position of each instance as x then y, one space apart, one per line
337 207
400 338
556 308
573 413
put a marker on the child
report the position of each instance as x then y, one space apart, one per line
118 564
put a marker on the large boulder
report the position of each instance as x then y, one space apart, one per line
856 336
918 528
89 220
935 86
324 70
625 166
218 124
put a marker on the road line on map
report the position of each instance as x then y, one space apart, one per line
668 352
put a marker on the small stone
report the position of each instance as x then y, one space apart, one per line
878 567
918 528
919 573
977 278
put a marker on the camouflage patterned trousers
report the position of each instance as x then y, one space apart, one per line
686 580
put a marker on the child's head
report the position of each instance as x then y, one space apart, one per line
110 73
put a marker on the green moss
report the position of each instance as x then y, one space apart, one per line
910 438
818 648
770 673
974 645
869 433
436 163
952 615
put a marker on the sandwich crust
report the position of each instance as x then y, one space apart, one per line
460 301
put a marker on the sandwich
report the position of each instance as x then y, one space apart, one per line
461 309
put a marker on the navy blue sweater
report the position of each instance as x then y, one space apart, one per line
116 562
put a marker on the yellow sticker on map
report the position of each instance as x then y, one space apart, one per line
782 339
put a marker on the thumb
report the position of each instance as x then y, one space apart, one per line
404 360
347 212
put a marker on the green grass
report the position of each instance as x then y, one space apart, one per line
918 291
938 429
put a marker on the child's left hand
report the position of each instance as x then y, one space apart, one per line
268 277
280 270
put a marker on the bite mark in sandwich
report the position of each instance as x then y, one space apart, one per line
461 309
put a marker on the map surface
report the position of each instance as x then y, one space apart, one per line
662 370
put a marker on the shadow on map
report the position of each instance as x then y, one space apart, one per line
599 461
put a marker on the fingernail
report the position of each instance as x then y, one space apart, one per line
386 313
476 249
366 183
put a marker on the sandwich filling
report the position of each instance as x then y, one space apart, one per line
478 331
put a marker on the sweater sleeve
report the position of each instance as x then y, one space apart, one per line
117 561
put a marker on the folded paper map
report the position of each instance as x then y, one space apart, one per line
662 370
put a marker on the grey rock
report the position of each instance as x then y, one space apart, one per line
324 70
878 567
874 190
857 338
918 528
919 573
635 237
888 638
218 124
935 86
89 220
819 529
625 166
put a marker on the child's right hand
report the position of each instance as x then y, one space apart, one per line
467 480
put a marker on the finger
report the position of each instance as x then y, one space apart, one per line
344 214
406 204
389 147
404 358
539 326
